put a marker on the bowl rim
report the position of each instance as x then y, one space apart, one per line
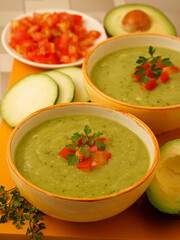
89 199
86 18
109 98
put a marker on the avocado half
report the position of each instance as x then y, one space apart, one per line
156 21
164 190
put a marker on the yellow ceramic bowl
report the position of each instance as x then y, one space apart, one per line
159 119
82 209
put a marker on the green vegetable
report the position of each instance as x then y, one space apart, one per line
13 206
84 146
164 190
66 86
28 95
153 61
77 77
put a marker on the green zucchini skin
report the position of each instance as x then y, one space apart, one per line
26 96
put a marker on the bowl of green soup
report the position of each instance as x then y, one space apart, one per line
138 73
82 162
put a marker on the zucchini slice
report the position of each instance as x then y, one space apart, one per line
77 77
30 94
66 86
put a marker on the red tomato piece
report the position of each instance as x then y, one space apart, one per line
94 34
77 19
150 85
164 77
146 65
100 158
159 63
171 69
19 36
85 165
65 151
81 156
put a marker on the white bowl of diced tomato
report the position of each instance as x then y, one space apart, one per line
52 38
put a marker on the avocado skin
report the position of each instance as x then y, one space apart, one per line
164 199
113 27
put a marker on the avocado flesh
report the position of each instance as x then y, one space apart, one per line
160 23
164 190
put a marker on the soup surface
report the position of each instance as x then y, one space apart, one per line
113 75
37 159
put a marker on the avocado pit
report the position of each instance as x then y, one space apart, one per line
135 21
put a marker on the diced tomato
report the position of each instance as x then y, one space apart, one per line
94 34
57 37
19 36
148 73
150 85
146 65
159 63
52 20
77 19
81 156
171 69
65 151
100 158
85 165
164 77
33 28
62 43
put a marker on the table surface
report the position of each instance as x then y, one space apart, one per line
139 222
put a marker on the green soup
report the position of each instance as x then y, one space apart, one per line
113 75
37 159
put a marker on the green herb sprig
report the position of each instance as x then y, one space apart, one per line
153 61
13 206
84 147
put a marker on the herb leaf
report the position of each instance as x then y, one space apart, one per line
15 207
153 65
84 146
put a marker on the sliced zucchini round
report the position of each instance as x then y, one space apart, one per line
77 77
66 86
31 93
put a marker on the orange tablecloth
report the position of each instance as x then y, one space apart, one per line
139 222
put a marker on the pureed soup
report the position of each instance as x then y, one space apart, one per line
113 75
37 158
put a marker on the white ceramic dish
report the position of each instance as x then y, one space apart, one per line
89 22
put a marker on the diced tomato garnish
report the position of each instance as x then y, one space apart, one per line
171 69
159 63
164 77
85 165
150 85
65 151
81 156
146 65
100 158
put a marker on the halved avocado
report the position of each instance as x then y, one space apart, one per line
164 190
131 18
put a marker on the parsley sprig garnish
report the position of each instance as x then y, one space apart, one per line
84 147
153 65
13 206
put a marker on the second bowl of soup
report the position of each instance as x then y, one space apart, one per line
110 78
